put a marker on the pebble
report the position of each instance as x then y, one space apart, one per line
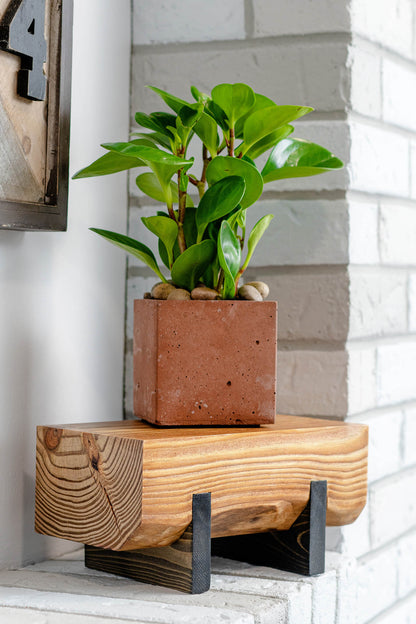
250 293
262 287
162 290
204 293
179 294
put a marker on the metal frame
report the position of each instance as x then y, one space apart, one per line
52 214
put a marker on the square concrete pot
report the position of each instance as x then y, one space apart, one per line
205 362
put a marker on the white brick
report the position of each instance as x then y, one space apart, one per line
362 387
392 507
302 232
324 599
313 303
407 565
312 383
346 570
365 82
292 17
378 302
413 168
370 165
388 22
396 367
32 616
376 580
412 302
355 537
384 447
402 613
409 436
397 234
167 21
306 74
363 236
399 94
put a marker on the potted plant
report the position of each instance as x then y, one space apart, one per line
205 346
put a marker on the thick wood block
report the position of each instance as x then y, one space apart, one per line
128 485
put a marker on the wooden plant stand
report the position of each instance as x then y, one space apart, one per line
146 501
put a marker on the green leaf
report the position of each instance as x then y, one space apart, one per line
109 163
156 137
219 200
152 122
199 95
263 122
190 113
217 114
172 101
206 129
295 158
132 246
234 99
164 165
229 256
261 102
223 166
149 184
166 230
255 235
267 142
192 263
238 218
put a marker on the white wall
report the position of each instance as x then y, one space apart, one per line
62 294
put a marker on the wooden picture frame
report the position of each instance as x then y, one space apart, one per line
34 132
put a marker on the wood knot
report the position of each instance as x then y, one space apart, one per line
90 446
52 438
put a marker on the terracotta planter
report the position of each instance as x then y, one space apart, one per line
205 362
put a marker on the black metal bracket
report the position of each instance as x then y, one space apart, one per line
300 549
185 565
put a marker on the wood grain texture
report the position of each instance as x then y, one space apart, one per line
185 565
259 478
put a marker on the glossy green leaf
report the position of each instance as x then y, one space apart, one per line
255 235
229 256
199 95
190 113
234 99
132 246
267 120
149 184
192 263
206 129
172 101
238 218
295 158
158 122
261 102
162 164
156 137
217 114
268 141
109 163
218 201
166 230
223 166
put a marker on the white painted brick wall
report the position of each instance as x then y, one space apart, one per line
377 583
293 17
402 613
385 440
362 380
407 564
399 93
363 232
412 302
397 234
396 365
409 436
175 21
365 79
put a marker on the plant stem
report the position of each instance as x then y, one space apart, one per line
181 214
206 160
231 142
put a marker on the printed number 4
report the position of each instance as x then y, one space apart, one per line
22 33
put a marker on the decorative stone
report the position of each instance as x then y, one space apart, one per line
250 293
162 290
179 294
262 287
204 293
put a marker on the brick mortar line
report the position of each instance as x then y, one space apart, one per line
375 412
391 479
222 45
379 341
368 197
380 124
371 46
390 610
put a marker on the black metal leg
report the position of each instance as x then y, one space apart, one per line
300 549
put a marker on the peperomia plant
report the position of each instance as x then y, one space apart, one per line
204 244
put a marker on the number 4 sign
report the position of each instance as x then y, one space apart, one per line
22 33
